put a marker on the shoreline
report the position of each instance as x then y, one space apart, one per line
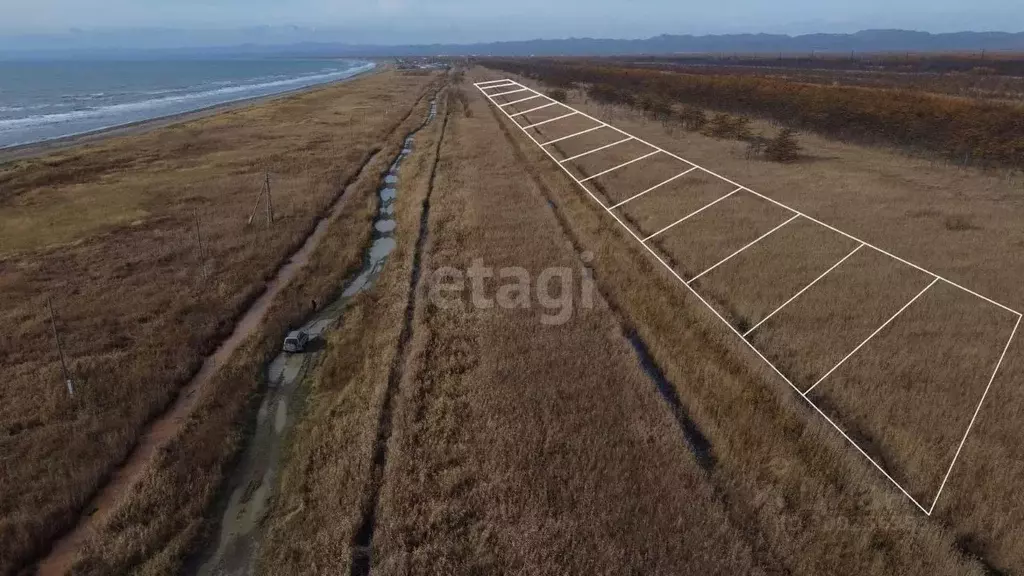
33 149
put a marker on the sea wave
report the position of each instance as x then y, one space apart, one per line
23 108
202 98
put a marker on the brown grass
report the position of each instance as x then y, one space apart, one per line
914 387
162 522
791 481
135 318
525 448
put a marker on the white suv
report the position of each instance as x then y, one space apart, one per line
296 341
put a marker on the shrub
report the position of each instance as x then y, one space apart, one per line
728 126
660 110
693 119
719 125
756 146
457 95
604 94
741 128
784 147
558 94
960 223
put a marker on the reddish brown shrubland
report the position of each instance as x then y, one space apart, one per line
965 130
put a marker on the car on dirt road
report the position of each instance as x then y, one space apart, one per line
296 341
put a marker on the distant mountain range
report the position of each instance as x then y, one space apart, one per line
81 44
864 41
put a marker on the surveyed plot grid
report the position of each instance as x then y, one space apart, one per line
495 88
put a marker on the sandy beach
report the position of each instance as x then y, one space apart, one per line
36 148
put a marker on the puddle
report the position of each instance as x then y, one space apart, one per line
254 479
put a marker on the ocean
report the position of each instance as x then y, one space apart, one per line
46 100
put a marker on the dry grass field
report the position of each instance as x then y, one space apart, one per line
520 447
107 231
490 467
577 410
907 396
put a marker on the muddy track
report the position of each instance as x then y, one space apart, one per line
245 495
362 541
167 424
698 443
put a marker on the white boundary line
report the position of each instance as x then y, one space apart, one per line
759 238
733 328
524 100
605 147
694 213
493 86
479 84
973 418
623 165
655 187
509 92
873 334
549 120
549 104
795 296
573 135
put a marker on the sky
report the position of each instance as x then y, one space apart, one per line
420 21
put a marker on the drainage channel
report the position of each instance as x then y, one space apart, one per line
253 481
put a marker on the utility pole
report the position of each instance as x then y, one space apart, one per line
270 204
256 206
60 351
199 244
